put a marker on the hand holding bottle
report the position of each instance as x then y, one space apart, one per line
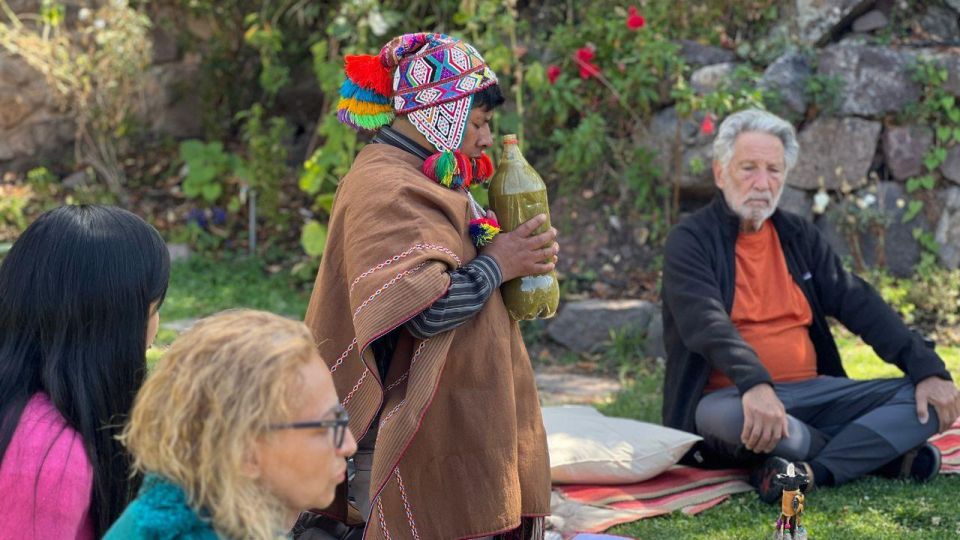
519 253
519 197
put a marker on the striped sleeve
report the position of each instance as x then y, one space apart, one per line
470 287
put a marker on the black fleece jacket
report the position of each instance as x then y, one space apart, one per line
698 289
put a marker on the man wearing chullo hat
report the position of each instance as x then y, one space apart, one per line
407 312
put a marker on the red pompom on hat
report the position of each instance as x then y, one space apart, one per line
368 72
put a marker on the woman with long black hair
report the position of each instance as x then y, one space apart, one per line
79 297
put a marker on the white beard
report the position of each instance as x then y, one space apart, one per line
753 218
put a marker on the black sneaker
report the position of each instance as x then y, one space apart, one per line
920 464
763 479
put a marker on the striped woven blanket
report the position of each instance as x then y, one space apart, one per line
589 508
949 444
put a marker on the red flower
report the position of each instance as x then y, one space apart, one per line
553 73
583 58
635 21
707 127
585 54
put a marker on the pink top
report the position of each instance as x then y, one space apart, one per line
55 504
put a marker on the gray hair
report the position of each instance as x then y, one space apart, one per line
759 121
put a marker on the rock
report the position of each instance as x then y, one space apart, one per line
301 100
653 347
14 71
6 151
950 61
178 252
788 76
953 78
697 178
837 150
876 79
901 251
954 4
818 20
76 180
832 233
171 102
22 91
709 78
870 21
165 48
797 201
904 148
13 108
948 229
951 166
51 133
940 23
585 326
854 40
16 143
664 122
200 27
704 55
37 140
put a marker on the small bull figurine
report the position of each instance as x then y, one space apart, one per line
791 506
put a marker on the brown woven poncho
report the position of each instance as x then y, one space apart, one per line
461 450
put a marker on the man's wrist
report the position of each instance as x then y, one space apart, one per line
753 384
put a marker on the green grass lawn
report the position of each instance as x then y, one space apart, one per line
872 508
202 286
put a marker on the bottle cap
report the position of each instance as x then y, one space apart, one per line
510 138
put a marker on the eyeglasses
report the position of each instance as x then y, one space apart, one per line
339 424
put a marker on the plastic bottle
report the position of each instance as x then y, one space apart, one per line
518 194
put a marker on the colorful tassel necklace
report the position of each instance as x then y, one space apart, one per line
453 169
482 228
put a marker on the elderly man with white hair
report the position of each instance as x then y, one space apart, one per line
751 363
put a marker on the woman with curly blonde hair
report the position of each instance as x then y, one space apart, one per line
237 430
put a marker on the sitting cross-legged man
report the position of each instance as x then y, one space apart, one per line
751 364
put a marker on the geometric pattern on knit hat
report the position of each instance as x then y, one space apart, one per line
433 84
444 124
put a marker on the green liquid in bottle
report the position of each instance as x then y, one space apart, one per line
518 194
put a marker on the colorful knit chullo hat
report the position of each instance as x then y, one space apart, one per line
431 78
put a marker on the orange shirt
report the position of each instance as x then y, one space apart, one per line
770 311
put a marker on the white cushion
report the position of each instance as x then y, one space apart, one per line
587 447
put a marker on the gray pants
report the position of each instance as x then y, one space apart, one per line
850 427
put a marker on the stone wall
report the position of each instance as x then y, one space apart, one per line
33 128
863 148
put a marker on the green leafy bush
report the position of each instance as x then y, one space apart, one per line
209 169
929 300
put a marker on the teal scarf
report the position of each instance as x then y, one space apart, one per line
160 512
